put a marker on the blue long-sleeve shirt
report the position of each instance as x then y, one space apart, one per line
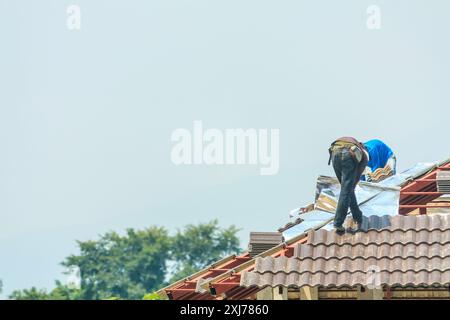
379 154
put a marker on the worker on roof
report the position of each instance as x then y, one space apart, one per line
350 158
381 163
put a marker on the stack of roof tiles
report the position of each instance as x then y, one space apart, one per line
263 241
443 181
381 174
395 251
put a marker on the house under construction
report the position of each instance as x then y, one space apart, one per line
402 253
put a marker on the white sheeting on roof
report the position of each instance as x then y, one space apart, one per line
374 199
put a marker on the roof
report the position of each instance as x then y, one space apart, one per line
222 278
412 251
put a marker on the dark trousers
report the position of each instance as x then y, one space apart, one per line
346 168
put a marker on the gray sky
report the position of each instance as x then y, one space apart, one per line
86 116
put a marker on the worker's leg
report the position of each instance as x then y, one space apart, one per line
337 165
346 166
337 160
356 212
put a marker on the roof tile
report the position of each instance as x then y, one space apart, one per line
407 251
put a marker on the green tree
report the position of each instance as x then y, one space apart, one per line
134 265
122 266
152 296
29 294
60 292
64 292
198 246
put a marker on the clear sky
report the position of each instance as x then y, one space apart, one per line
86 116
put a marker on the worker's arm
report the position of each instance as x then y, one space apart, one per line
361 168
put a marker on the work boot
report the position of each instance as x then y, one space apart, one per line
355 230
339 230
